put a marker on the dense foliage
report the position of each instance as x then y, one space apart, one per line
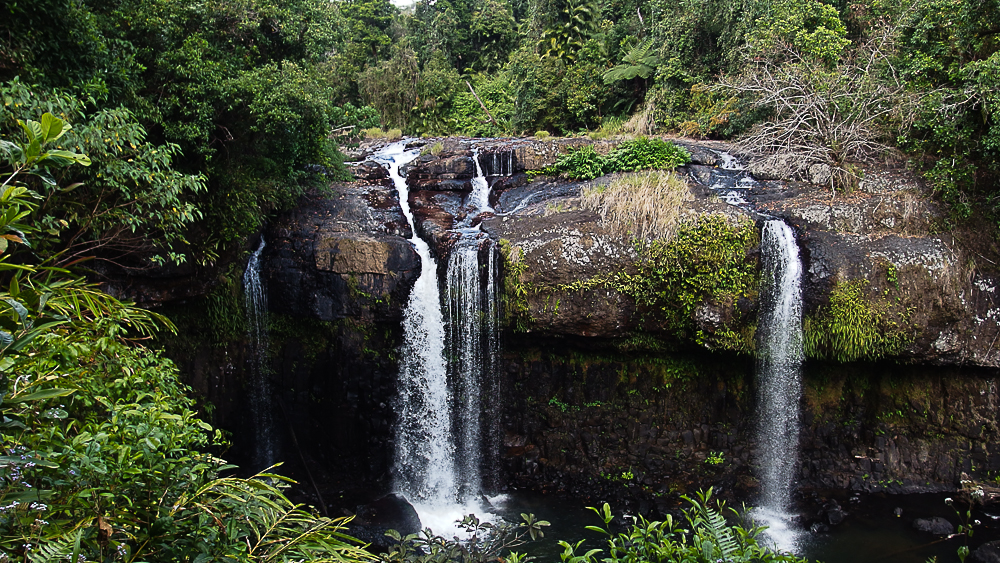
103 456
703 535
585 163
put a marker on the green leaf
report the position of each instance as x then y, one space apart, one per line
53 127
40 395
33 130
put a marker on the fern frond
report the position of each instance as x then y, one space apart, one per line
66 548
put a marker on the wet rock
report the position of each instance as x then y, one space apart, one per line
368 171
989 552
835 516
935 525
390 512
819 528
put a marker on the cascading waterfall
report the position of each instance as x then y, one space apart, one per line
255 303
502 163
780 348
437 458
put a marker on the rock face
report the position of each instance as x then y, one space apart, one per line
603 397
600 424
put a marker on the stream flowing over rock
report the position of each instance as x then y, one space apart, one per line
601 397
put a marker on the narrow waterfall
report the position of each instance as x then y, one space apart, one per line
480 196
780 386
474 345
438 436
255 303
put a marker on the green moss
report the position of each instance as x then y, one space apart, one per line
707 261
854 326
515 291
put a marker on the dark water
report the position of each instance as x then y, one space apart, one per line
871 532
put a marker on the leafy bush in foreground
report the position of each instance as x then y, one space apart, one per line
647 154
101 446
708 539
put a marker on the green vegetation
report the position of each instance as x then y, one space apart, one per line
104 456
703 536
706 262
515 291
707 537
855 327
585 163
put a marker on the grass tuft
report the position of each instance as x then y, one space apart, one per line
645 204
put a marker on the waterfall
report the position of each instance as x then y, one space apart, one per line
473 343
437 457
480 196
780 349
255 303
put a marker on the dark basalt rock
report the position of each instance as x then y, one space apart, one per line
989 552
371 172
935 525
390 512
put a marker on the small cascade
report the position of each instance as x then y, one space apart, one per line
480 196
778 372
439 437
255 303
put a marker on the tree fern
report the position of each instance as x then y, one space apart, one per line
638 63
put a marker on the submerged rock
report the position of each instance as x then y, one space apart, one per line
389 512
989 552
936 525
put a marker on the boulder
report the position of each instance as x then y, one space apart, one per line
935 525
390 512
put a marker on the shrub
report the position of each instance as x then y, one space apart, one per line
374 133
581 164
394 134
542 135
707 260
434 149
707 537
646 154
645 204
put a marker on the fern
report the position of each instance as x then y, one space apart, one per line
66 548
638 63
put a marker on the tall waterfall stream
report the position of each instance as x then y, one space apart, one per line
255 304
778 373
439 437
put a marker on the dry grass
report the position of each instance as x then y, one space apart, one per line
642 122
644 204
378 133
